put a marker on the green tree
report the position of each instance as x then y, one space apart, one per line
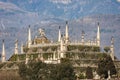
32 71
66 72
81 76
106 49
23 71
89 74
34 49
63 71
25 49
104 65
41 71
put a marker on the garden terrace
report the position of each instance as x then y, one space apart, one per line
9 65
40 49
84 55
83 48
31 56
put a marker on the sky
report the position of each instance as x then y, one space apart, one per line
16 15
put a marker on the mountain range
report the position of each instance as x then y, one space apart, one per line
16 15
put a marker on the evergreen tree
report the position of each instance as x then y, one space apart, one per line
107 49
89 73
32 71
41 71
104 65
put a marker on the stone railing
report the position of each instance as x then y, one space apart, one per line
85 65
85 43
44 44
71 43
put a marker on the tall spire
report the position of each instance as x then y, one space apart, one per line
61 43
112 48
29 37
3 52
59 35
61 47
66 33
98 35
16 47
21 48
82 37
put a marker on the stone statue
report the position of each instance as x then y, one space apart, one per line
109 77
42 32
96 76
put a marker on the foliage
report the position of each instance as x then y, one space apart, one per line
10 64
1 65
53 48
104 65
89 73
84 55
41 71
101 55
25 49
45 48
9 75
47 55
106 49
23 71
34 49
13 58
83 48
96 49
20 56
65 72
31 71
65 60
33 56
81 76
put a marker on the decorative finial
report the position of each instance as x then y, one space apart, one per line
112 39
3 52
29 26
3 40
16 40
98 23
61 35
66 22
59 27
83 32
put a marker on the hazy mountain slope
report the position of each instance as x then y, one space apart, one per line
16 15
